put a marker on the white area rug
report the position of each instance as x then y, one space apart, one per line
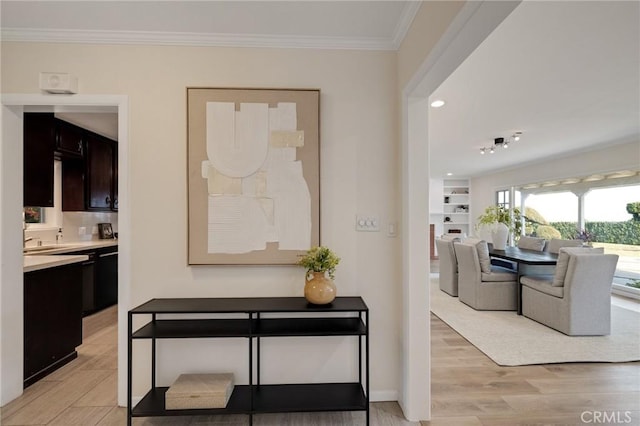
510 339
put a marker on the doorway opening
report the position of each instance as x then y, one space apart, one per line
11 188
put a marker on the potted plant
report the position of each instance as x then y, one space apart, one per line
318 262
497 221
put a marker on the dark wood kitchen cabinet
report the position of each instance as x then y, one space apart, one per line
89 165
90 183
69 140
38 155
52 319
101 173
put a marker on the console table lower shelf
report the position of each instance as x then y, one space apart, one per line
349 316
267 399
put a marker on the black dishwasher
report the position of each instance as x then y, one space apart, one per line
88 283
99 278
106 287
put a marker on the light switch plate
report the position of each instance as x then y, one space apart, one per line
367 223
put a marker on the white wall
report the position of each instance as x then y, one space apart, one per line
613 158
358 175
11 295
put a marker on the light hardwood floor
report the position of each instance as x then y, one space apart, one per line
467 389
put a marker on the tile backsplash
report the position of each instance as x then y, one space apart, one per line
71 224
73 221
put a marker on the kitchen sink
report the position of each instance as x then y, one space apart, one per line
36 249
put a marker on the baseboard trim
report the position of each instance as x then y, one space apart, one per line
383 396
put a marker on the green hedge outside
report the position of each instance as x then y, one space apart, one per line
603 232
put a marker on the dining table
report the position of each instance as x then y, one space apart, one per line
523 257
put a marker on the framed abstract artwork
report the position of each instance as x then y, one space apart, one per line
253 175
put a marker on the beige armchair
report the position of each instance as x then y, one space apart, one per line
448 266
531 243
555 244
576 300
481 285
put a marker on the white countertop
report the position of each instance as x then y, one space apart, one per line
37 262
50 256
70 246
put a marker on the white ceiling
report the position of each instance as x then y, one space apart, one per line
566 74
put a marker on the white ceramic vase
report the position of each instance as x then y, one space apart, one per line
499 236
484 232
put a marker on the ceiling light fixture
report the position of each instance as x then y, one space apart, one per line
437 103
503 142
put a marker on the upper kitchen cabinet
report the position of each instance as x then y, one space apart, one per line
101 173
39 147
69 140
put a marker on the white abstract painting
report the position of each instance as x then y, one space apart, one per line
257 193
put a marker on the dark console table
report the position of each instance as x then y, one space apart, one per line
345 316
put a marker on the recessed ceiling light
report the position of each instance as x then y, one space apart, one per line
449 174
437 103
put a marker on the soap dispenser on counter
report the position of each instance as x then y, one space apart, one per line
59 236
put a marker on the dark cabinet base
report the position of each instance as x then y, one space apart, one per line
28 381
52 319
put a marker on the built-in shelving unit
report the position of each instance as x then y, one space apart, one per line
455 206
345 316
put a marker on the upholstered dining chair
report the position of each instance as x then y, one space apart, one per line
531 243
481 285
555 244
448 265
576 300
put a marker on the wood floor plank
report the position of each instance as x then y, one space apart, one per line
490 372
102 395
572 403
593 369
587 384
80 416
31 393
48 406
117 416
96 322
457 421
535 419
481 386
452 406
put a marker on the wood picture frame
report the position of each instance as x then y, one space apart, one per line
253 186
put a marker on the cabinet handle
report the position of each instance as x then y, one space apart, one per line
115 253
107 200
80 146
115 202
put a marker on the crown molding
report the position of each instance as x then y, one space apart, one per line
404 23
195 39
